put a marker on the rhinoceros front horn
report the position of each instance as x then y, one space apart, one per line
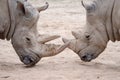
72 43
50 49
43 7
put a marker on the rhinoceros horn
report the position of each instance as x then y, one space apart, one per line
72 43
46 38
50 49
76 44
43 7
77 35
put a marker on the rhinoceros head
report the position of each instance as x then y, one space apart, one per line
90 43
29 45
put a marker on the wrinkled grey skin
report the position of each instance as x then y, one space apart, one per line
102 25
28 44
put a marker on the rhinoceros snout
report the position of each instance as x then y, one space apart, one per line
87 57
30 61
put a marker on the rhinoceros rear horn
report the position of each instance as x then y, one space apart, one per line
89 6
65 40
46 38
77 35
43 7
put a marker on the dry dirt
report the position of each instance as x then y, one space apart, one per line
61 18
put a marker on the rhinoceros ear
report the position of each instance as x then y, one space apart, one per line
89 6
20 7
42 8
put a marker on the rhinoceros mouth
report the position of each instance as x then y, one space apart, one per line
32 60
86 57
29 61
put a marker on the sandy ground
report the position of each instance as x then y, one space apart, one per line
61 18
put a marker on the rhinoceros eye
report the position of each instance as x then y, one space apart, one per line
87 37
28 39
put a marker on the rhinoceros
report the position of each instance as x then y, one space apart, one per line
102 26
18 23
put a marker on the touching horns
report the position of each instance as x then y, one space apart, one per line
47 50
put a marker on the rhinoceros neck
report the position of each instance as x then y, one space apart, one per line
7 20
11 11
116 20
112 28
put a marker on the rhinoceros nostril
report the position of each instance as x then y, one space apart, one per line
87 57
84 57
27 60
